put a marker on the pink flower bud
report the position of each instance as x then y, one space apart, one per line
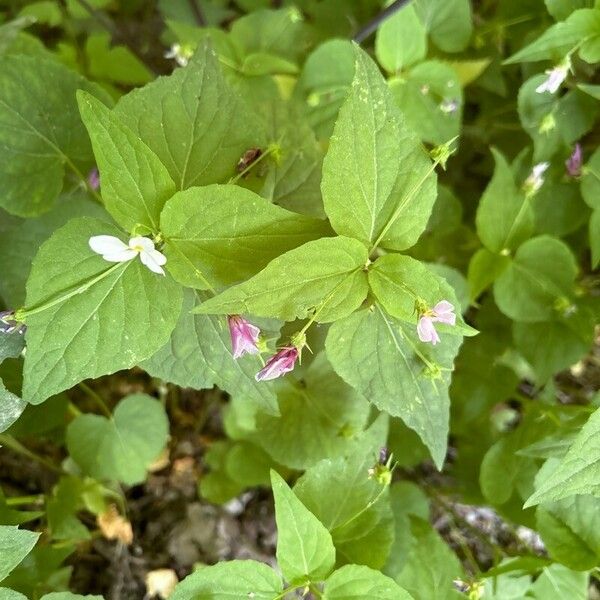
93 179
279 364
244 336
574 162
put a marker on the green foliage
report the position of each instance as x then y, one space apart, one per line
15 544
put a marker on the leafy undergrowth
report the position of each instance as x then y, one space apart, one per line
299 299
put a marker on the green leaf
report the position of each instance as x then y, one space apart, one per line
305 551
324 84
135 184
541 275
355 509
431 99
86 317
399 281
484 268
15 545
590 181
6 594
11 407
431 567
551 346
40 132
229 580
353 581
401 40
193 122
124 446
578 472
325 276
198 355
221 234
579 30
320 418
448 22
568 531
378 184
561 9
69 596
62 508
504 215
382 358
22 239
557 581
595 237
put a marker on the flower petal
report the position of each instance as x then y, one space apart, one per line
144 243
444 313
120 255
107 244
426 331
148 260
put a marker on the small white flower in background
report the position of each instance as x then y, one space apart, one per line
555 77
535 180
449 106
181 54
161 583
113 249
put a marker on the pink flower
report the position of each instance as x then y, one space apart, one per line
279 364
244 336
442 312
93 179
574 162
555 77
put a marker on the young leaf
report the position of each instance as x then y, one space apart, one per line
356 508
541 275
559 582
15 545
383 359
87 317
123 447
578 472
193 121
305 551
590 181
221 234
354 581
401 40
378 184
484 268
40 131
135 184
325 276
231 579
504 215
198 355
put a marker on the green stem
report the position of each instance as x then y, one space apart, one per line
97 399
21 500
84 179
10 442
22 313
364 509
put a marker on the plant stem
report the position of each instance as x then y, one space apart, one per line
20 500
13 444
365 31
96 398
197 10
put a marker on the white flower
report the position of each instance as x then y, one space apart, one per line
113 249
181 54
535 180
555 77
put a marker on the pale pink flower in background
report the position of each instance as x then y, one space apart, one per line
244 336
93 179
574 162
279 364
555 78
442 312
535 180
113 249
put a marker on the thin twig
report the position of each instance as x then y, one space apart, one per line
198 14
372 25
